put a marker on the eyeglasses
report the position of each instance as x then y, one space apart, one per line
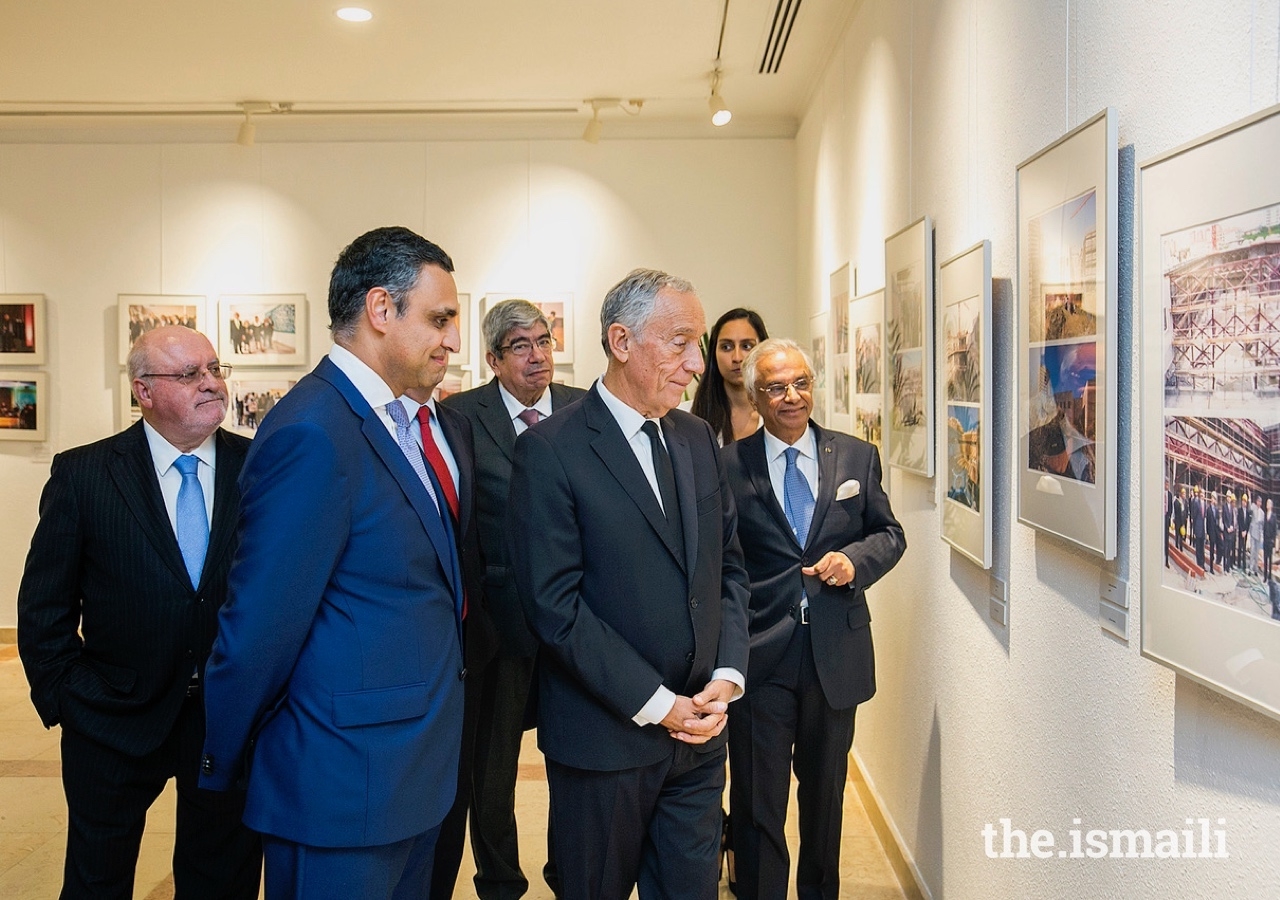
217 371
523 346
778 391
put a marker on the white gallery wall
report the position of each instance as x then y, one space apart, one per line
81 223
927 107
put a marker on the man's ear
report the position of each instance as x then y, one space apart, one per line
142 391
379 308
491 358
620 340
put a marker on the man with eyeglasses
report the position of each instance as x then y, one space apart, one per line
816 531
117 611
519 349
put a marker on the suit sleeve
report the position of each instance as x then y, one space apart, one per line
294 521
49 596
882 541
735 593
546 555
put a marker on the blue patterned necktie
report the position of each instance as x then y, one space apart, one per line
410 448
797 498
193 521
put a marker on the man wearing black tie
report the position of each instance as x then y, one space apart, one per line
519 350
629 569
816 531
116 614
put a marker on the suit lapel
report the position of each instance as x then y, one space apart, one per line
751 448
492 414
223 527
682 462
617 456
825 488
133 472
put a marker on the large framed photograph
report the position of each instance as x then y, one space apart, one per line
24 406
140 313
128 408
558 308
1067 381
250 397
22 330
1210 387
818 352
908 272
839 381
866 339
262 329
964 383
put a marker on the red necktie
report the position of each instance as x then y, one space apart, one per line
438 465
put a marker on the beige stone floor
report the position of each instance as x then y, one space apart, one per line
33 818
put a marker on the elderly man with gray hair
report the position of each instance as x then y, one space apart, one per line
628 566
519 349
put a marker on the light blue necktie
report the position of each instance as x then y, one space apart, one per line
193 521
797 498
410 448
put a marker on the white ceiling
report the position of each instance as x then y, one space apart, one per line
465 67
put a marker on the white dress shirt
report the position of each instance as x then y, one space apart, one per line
164 455
631 421
515 407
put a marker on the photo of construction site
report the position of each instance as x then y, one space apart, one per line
1221 284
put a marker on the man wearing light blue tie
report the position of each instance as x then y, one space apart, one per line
334 690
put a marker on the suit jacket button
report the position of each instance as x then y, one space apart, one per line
791 610
462 673
688 657
693 603
206 764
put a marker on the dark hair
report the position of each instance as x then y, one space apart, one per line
390 258
710 401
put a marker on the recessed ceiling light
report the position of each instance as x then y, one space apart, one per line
354 14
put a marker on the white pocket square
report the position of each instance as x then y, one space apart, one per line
850 488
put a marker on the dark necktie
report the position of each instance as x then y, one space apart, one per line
530 417
436 458
666 481
192 521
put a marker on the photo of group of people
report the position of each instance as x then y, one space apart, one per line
20 406
1222 409
17 328
263 330
141 313
252 399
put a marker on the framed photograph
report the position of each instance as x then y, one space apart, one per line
129 409
262 329
964 384
463 356
23 406
140 313
840 380
251 396
818 353
454 382
866 342
558 308
1067 380
908 267
22 330
1209 268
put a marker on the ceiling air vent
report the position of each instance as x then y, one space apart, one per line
784 18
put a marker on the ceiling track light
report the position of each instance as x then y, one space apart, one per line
248 131
591 134
720 112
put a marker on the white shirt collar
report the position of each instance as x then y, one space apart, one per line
163 453
807 444
515 407
376 392
629 420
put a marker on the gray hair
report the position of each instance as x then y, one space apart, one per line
139 360
630 302
763 349
506 316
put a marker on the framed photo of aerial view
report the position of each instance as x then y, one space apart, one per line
24 406
866 341
262 329
140 313
1209 272
964 384
23 328
1067 382
909 348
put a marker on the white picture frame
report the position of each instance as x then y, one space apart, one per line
262 329
909 347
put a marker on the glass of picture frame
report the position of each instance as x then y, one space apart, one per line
1067 337
866 345
140 313
251 395
839 380
909 350
23 340
262 329
818 354
24 406
1210 387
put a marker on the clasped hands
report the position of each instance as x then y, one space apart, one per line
697 719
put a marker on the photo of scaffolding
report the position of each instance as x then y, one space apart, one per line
1221 286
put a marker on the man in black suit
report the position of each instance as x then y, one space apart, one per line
1196 523
116 614
1213 533
629 569
446 440
519 350
816 531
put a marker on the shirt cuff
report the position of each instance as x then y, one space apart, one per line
731 674
653 712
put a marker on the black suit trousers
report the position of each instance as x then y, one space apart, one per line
788 709
108 794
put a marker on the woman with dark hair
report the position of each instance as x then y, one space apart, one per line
721 398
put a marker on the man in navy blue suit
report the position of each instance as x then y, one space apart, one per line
334 690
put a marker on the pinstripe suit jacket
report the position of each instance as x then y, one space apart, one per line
109 627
